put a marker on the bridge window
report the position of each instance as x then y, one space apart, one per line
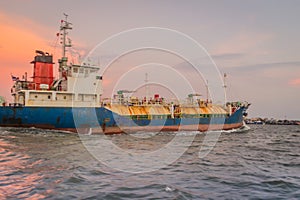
75 70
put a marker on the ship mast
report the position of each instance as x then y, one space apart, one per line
207 91
146 87
225 86
64 27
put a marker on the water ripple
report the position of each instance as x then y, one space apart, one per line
260 163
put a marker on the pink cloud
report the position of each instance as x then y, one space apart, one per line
294 82
243 42
252 44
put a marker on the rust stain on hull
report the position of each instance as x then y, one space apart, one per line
201 128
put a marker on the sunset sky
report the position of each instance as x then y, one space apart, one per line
256 43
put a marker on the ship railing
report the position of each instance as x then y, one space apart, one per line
15 105
238 104
151 102
135 102
23 85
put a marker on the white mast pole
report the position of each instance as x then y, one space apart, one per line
225 86
146 87
64 35
207 93
64 27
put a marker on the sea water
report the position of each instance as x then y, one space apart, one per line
260 163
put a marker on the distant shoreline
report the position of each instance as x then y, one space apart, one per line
271 121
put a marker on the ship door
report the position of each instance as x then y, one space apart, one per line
21 99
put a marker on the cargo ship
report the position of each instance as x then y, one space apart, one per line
55 103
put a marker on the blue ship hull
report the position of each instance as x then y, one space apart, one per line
105 121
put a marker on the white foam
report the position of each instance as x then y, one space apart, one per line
243 128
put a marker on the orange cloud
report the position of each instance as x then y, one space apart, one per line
294 82
18 42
